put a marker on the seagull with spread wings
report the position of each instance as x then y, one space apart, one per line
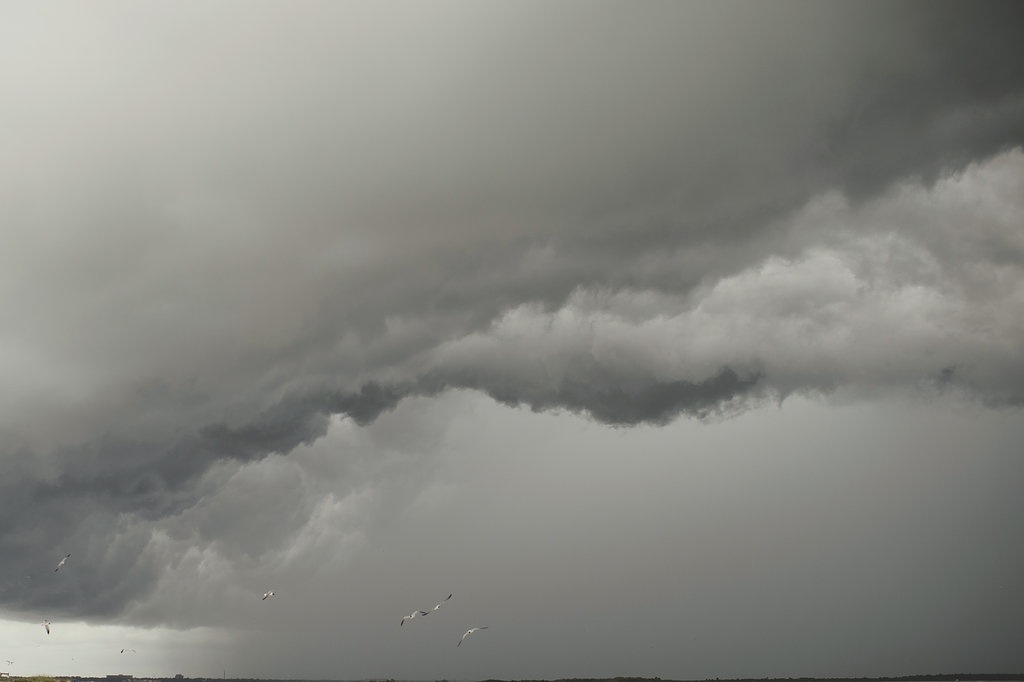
469 632
441 603
62 562
413 615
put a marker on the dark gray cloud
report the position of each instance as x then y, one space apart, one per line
231 227
652 401
150 484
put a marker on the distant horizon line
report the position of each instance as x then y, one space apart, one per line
937 677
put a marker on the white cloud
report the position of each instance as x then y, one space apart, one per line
888 294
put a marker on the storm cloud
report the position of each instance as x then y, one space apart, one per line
236 232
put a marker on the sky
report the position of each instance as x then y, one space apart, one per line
677 339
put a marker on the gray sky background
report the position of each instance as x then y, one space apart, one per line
675 339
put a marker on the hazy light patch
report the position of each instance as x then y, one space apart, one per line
77 649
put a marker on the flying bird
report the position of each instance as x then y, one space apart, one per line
62 562
131 650
441 603
46 624
469 632
268 593
413 615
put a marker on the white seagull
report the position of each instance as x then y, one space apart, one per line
46 624
413 615
469 632
268 593
131 650
62 562
441 603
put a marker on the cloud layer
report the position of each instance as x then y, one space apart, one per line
225 239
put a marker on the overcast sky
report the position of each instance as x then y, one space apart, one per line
675 339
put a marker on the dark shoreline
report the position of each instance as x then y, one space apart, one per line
944 677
